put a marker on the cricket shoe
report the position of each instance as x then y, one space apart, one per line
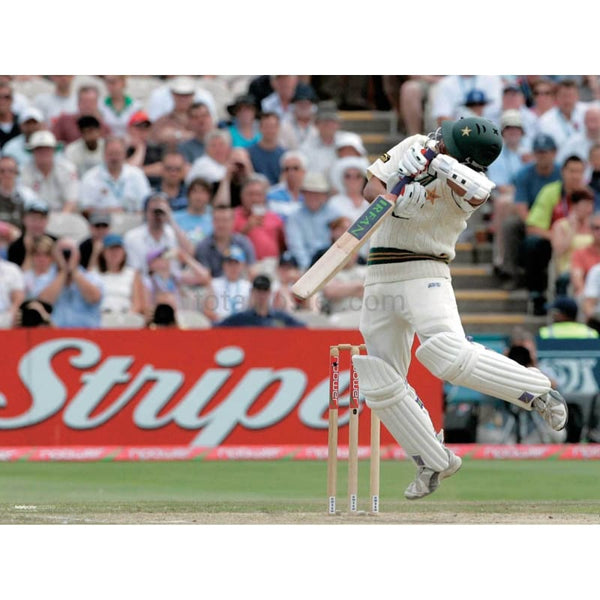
428 480
553 409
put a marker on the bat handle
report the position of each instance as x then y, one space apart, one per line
429 154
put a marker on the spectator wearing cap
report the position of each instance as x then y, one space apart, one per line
30 121
9 121
141 152
117 107
61 99
513 98
299 125
74 293
13 195
267 152
528 182
253 219
114 185
320 151
66 129
51 176
285 197
159 231
164 280
566 118
173 128
172 182
279 101
260 313
200 123
195 220
244 127
564 324
349 176
307 229
569 234
161 100
124 290
35 221
288 273
88 150
12 293
552 203
348 143
211 250
229 293
474 105
90 248
580 143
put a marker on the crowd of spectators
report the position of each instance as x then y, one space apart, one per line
143 199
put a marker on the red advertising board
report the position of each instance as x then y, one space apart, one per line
201 388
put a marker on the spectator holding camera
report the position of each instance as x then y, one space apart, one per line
74 293
239 168
42 268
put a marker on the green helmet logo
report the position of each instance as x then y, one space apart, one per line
474 141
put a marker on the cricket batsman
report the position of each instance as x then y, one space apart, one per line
408 291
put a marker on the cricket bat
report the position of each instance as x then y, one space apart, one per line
349 242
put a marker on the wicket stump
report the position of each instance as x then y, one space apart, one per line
332 445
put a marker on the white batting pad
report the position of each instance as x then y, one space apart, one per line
453 358
400 410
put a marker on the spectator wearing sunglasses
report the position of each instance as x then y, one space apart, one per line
285 197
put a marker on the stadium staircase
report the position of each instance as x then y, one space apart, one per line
484 307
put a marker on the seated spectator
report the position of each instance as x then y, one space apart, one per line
564 324
345 291
253 219
474 104
238 169
30 121
164 279
244 127
582 142
552 203
35 221
287 275
172 181
320 151
114 185
590 298
159 231
230 293
74 293
12 292
61 99
43 267
13 195
91 247
213 164
411 100
200 123
583 259
513 98
141 152
123 287
349 176
9 121
285 197
307 229
51 176
66 129
267 152
88 150
279 100
299 125
117 107
173 128
569 234
212 250
195 220
260 313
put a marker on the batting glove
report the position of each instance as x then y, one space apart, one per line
410 201
413 162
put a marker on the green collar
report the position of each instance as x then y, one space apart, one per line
128 102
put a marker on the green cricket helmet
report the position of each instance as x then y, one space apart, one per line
473 141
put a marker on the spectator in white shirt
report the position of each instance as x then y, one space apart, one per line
12 292
87 151
61 100
114 185
30 121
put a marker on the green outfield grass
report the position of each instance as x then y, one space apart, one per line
286 487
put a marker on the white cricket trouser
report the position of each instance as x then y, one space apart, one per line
393 312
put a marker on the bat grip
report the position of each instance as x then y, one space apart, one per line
429 154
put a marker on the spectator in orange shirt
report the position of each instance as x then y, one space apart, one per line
263 227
